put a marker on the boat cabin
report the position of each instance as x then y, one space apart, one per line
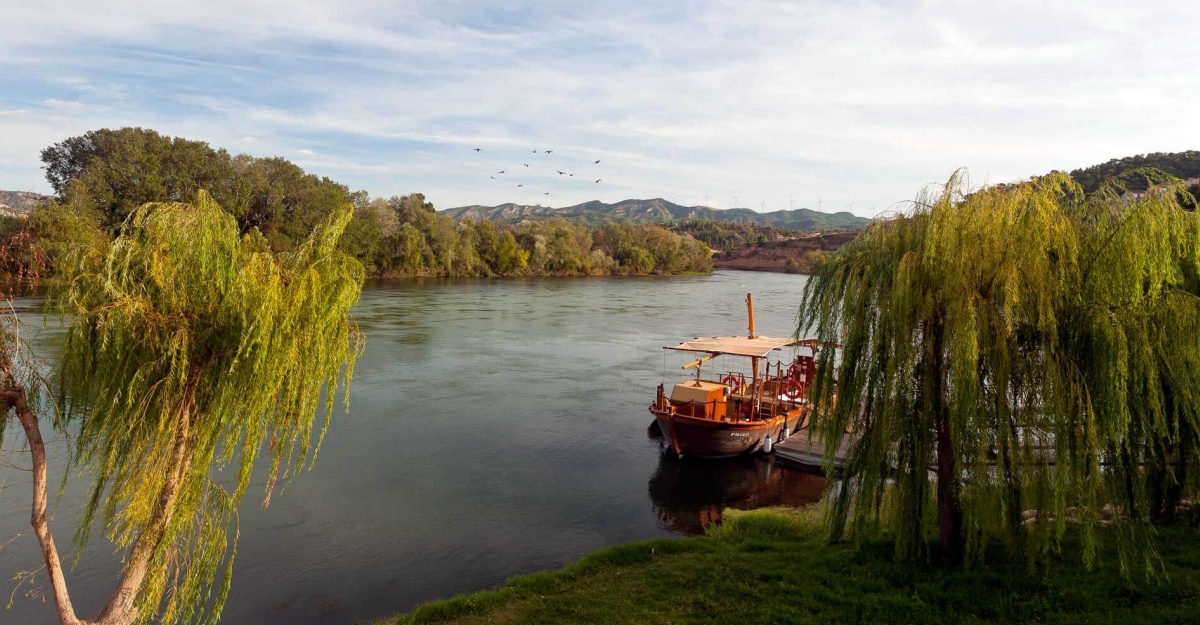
773 388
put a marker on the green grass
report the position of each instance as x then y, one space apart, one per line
772 566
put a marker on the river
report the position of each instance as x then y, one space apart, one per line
497 427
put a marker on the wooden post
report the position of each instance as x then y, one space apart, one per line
750 312
754 390
754 386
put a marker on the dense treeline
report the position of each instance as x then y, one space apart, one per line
416 240
1179 164
101 177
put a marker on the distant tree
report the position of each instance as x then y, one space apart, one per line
988 335
562 249
188 348
119 170
364 236
466 252
115 171
639 260
411 250
64 230
488 243
812 260
510 258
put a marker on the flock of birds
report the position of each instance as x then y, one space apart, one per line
521 185
560 173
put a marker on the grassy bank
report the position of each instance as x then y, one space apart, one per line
773 567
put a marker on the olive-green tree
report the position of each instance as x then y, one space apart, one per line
1013 358
189 348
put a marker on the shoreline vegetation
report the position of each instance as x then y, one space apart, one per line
776 565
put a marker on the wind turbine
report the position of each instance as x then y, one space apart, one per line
762 206
850 206
818 202
735 200
706 196
791 203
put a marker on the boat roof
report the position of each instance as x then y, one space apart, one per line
758 346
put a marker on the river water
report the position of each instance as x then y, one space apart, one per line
497 427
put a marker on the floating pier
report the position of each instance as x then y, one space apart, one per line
809 452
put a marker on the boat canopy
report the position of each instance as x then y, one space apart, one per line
759 346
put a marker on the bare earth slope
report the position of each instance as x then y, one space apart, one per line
774 255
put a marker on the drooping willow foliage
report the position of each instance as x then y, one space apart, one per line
1014 359
191 349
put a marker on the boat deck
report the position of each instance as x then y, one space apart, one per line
800 449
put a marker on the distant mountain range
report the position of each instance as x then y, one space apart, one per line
18 203
659 210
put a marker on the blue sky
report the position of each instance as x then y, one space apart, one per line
779 103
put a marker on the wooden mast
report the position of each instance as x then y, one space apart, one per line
750 311
753 360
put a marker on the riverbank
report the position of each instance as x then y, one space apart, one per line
772 566
426 275
791 255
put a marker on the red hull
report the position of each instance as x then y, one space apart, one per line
709 438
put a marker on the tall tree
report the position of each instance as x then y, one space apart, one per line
990 334
189 348
119 170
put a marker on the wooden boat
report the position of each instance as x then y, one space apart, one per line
731 415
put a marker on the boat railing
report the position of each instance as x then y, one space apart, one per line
739 406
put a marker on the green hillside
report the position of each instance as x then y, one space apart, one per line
1181 164
658 210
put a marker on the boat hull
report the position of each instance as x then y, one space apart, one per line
707 438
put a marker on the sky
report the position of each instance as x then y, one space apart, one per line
772 105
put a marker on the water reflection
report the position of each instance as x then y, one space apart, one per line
497 429
689 494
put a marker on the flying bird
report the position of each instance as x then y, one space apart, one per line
492 177
549 151
596 163
547 193
571 175
560 172
520 185
500 172
478 149
597 180
525 164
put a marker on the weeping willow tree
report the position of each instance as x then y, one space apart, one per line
1015 359
189 349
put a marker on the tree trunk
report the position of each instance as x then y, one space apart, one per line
949 507
15 399
121 609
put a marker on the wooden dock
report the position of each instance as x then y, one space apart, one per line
810 453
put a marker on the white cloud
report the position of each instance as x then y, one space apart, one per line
63 105
854 102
